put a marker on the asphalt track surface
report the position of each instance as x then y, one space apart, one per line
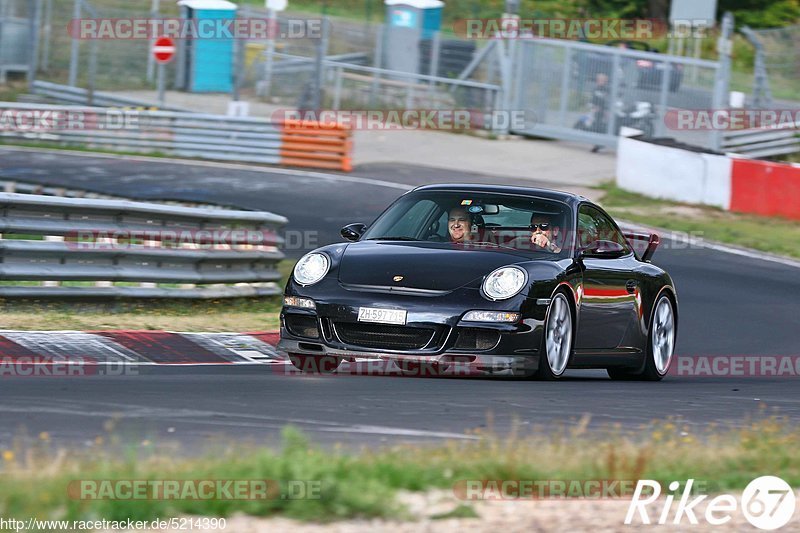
730 305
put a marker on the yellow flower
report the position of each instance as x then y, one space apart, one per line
8 455
44 436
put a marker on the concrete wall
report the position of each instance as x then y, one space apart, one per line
732 183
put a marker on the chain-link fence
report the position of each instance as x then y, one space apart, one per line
565 89
781 48
588 93
366 66
101 64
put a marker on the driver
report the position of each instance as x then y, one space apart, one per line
545 235
458 224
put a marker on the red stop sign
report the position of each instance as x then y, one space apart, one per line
164 49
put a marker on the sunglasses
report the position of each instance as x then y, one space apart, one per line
543 226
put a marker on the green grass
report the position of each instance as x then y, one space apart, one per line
768 234
11 90
365 484
79 147
235 314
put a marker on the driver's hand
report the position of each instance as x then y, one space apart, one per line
540 240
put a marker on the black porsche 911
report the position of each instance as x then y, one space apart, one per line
504 279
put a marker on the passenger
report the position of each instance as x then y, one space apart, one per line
545 234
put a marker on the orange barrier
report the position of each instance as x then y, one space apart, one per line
316 145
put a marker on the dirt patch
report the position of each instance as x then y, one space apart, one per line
556 515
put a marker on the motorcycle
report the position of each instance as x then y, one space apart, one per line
639 115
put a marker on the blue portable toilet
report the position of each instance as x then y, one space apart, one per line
408 22
206 65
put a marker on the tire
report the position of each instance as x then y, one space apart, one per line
315 364
557 340
660 346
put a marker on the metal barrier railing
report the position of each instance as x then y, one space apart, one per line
763 142
70 247
216 137
359 87
76 95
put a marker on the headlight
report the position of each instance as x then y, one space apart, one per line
311 268
296 301
490 316
504 283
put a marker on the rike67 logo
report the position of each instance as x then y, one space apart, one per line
768 503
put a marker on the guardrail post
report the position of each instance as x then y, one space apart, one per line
74 56
614 94
377 63
151 61
722 79
564 96
337 93
33 64
666 79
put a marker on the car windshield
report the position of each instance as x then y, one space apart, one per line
477 220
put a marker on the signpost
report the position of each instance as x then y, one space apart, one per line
163 52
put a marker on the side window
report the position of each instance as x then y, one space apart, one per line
440 226
409 224
593 225
587 229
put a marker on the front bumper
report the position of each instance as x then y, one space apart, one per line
516 348
461 362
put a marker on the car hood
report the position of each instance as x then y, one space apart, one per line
423 265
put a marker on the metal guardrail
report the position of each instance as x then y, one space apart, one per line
66 94
119 248
349 86
215 137
763 142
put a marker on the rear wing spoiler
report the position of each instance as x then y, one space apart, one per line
653 240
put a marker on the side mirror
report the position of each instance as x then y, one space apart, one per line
603 250
353 232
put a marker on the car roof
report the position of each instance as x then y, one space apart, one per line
549 194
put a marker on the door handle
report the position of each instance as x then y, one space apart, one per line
631 285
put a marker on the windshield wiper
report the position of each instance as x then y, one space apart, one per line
392 239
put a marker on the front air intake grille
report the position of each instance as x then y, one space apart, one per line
302 326
476 339
386 337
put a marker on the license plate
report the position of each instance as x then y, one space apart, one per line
382 316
